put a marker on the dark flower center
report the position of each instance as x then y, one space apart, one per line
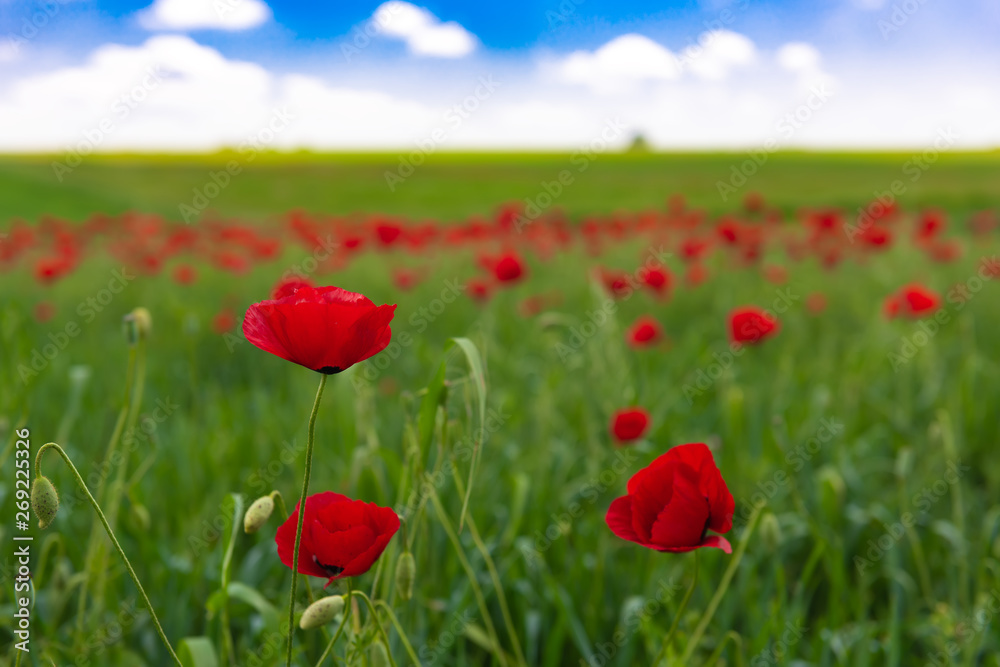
331 570
330 370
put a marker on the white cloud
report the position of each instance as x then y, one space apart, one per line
718 53
172 94
798 57
621 63
423 33
201 14
633 59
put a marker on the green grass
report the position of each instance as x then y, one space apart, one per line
238 411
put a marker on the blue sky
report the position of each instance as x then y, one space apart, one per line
700 73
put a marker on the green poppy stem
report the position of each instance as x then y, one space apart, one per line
111 534
680 612
301 518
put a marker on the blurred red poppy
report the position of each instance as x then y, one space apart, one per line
913 301
327 329
341 537
185 274
479 289
816 303
751 325
224 321
673 503
508 268
657 280
644 332
44 311
629 424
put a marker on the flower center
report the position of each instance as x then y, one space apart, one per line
331 570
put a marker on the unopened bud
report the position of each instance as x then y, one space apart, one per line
258 514
770 532
406 572
44 501
321 612
143 322
378 656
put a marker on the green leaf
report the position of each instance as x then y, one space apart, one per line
434 397
236 500
479 380
197 652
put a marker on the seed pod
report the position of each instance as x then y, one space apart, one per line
378 656
143 322
406 572
770 532
321 612
258 514
44 501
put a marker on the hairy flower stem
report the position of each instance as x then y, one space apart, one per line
680 612
111 534
302 513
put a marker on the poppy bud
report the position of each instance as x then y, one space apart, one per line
904 463
258 514
406 572
832 490
770 532
378 656
321 612
131 329
143 322
140 517
44 501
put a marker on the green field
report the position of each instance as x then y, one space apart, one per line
883 476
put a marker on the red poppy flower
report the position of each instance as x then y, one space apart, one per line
340 537
184 274
629 424
617 283
479 289
673 503
289 285
507 268
657 280
645 332
327 329
751 325
816 303
913 301
224 321
44 311
695 275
